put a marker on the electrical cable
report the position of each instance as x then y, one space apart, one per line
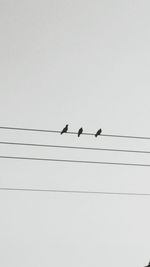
74 133
74 191
75 161
74 147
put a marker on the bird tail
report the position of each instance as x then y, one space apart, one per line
95 135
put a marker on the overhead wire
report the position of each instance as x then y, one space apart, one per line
75 161
107 193
74 147
73 133
71 147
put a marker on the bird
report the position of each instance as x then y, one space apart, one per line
65 129
148 265
80 132
98 132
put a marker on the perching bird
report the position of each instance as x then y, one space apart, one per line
80 132
98 132
65 129
148 265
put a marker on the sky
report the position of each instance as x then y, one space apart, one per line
82 63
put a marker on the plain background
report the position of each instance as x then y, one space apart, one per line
85 63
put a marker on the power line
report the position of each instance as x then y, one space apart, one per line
74 191
74 147
76 161
74 133
28 129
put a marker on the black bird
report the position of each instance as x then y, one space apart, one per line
98 132
80 132
148 265
65 129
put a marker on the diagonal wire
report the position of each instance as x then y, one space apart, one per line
74 191
75 161
74 147
74 133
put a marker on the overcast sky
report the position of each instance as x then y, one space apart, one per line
85 63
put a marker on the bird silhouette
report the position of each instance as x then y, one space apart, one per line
65 129
148 265
98 132
80 132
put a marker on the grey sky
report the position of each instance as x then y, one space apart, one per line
85 63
